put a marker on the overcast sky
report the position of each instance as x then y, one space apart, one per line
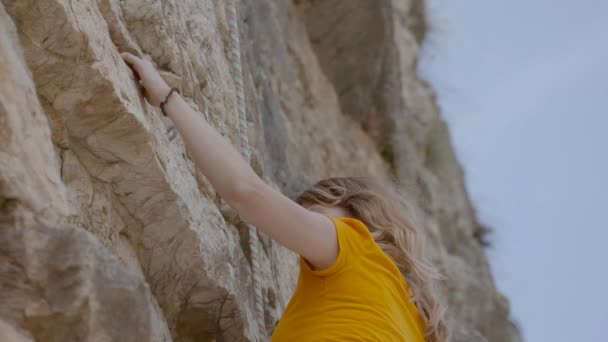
523 85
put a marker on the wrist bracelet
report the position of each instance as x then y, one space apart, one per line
163 103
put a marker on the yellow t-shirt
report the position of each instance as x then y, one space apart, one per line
361 297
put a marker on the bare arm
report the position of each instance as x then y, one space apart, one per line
305 232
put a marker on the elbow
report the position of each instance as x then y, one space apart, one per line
242 195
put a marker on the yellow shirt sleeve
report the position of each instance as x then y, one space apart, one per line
354 241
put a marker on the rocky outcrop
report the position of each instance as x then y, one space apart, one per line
109 233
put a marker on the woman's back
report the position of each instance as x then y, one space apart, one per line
362 296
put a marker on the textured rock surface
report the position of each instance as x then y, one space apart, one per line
108 231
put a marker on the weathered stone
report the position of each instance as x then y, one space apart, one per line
30 183
60 284
9 334
304 89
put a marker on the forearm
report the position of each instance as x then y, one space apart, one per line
212 153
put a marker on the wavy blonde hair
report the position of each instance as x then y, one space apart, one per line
385 213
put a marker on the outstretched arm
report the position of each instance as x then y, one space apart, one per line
305 232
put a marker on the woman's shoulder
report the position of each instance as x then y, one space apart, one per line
353 232
354 241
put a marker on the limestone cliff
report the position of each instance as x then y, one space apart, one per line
109 233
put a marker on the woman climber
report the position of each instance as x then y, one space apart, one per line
362 277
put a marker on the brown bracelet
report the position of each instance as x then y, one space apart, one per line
163 103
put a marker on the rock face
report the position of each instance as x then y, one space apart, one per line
109 233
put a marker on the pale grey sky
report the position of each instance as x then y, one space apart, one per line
523 85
